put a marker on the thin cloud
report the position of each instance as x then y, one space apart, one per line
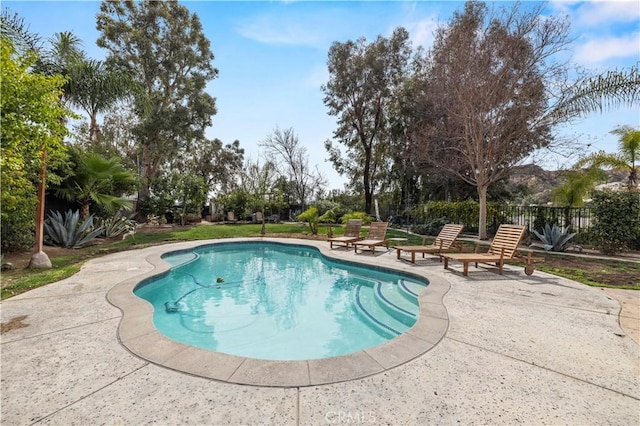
598 50
602 12
276 31
421 32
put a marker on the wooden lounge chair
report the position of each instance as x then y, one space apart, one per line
502 248
351 234
443 243
376 237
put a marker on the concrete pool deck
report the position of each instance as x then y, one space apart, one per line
518 349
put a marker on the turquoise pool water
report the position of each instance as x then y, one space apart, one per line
278 302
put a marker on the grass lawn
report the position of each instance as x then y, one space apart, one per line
66 262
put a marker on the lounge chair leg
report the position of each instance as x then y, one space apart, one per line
413 257
465 268
446 262
398 253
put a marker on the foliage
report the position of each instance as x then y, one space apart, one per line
432 227
603 91
311 217
328 217
190 191
68 231
216 163
488 90
97 179
117 224
553 238
626 159
578 183
360 91
364 217
616 217
237 201
31 122
326 205
95 88
18 228
172 61
283 148
13 28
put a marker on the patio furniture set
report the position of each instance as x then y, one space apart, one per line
503 248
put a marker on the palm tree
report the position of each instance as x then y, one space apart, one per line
626 158
578 183
95 180
14 28
94 88
603 92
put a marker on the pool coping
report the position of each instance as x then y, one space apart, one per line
137 333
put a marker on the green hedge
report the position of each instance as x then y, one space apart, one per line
616 220
463 212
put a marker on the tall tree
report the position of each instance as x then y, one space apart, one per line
361 87
492 73
162 46
283 148
627 158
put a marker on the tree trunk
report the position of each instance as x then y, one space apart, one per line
84 209
94 130
482 214
366 181
144 190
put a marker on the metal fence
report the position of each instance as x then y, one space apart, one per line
578 219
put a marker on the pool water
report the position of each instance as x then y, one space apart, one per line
278 301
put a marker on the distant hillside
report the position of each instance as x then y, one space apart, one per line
539 182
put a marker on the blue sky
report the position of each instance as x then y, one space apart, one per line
272 58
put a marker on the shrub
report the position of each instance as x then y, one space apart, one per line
616 220
311 217
365 218
553 238
431 228
116 225
18 228
67 231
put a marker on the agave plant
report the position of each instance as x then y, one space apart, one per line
67 231
116 225
554 238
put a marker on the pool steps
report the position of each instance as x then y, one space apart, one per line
410 290
393 303
389 309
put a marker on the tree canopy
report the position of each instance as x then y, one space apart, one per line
488 88
161 45
284 150
363 77
32 121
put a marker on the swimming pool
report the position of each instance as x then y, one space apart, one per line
272 301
